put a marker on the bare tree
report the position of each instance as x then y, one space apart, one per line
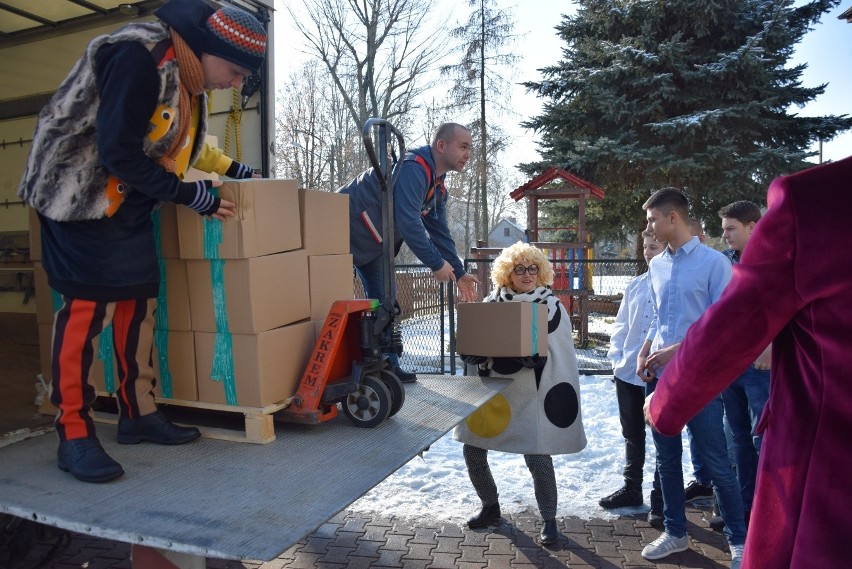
316 143
377 52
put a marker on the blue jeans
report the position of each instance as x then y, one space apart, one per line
700 473
711 448
744 401
371 277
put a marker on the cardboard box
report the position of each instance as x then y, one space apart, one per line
177 313
267 221
166 226
35 235
261 293
330 280
46 301
325 222
506 329
177 378
267 367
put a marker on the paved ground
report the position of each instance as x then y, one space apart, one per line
352 540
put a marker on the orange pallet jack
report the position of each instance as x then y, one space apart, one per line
348 370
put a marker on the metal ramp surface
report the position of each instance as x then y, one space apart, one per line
231 500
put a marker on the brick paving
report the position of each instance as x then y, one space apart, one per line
352 540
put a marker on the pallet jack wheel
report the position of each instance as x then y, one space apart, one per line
397 390
370 404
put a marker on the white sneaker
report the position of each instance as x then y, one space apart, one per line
665 545
736 556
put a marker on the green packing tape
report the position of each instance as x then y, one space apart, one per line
105 352
161 315
535 329
57 300
223 350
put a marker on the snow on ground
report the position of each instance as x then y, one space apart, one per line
436 486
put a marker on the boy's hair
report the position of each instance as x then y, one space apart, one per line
694 226
518 254
668 200
447 132
743 211
647 235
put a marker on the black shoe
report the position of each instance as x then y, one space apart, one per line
655 516
404 376
716 522
622 498
549 535
489 515
87 461
155 428
695 490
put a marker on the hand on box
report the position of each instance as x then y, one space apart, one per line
226 209
473 360
533 362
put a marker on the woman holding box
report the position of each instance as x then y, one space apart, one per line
538 414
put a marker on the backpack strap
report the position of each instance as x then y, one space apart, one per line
433 184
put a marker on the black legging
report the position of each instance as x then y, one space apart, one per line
541 468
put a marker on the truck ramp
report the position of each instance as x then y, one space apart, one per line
229 500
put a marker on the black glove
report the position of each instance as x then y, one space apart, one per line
473 360
239 171
197 196
532 362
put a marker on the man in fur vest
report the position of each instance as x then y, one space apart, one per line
113 143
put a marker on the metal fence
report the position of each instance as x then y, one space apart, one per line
590 290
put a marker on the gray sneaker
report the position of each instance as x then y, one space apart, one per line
665 545
737 556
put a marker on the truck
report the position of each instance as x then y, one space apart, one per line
214 498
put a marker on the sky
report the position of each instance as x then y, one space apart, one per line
827 50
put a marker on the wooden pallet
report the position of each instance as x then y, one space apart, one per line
258 425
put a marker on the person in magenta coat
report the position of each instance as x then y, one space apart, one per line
793 287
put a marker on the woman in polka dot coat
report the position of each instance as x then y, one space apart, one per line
538 414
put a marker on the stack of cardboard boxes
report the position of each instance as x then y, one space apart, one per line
240 300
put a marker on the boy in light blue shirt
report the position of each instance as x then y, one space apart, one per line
685 279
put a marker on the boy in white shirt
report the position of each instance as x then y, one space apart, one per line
631 327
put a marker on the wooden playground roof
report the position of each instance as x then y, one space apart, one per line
581 186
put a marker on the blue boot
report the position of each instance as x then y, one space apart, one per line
155 428
86 460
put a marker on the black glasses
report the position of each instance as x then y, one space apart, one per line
520 269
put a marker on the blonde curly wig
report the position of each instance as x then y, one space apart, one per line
521 254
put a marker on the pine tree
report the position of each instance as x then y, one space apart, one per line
684 93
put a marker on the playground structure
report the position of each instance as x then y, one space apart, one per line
572 278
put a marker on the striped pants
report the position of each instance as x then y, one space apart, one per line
75 327
541 468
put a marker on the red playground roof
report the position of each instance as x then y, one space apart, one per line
551 174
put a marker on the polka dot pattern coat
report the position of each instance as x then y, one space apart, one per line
539 412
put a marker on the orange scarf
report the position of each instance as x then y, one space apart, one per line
191 85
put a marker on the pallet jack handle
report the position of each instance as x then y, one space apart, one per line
388 172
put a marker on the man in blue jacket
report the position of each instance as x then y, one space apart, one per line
420 218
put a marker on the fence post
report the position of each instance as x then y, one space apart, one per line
451 309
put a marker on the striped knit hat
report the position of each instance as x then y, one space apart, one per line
237 36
